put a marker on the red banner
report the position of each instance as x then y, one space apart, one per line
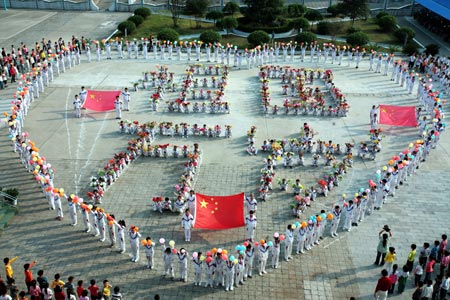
100 100
219 212
398 115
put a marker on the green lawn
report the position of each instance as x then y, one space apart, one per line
369 27
154 23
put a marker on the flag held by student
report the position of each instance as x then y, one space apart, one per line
398 115
219 212
100 100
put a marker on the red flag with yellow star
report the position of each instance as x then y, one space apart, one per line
219 212
398 115
100 100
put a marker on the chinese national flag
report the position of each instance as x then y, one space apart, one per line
398 115
219 212
100 100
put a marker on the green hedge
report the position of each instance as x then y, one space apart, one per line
136 19
243 26
143 12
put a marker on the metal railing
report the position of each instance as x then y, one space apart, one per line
8 199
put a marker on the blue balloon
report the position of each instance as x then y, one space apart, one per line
10 136
297 224
241 252
231 258
237 248
270 244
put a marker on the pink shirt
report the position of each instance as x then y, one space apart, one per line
430 266
445 260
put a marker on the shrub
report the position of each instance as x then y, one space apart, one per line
382 14
357 39
143 12
387 23
128 25
258 37
137 20
306 37
324 27
246 26
404 32
353 30
210 36
432 49
168 34
410 48
333 10
313 15
300 23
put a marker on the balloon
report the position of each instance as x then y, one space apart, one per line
208 259
171 243
297 224
224 252
231 258
235 261
241 252
361 190
304 224
208 253
174 251
282 237
276 234
319 218
144 242
262 241
384 168
245 244
195 255
237 248
323 216
202 258
219 250
214 250
162 240
256 244
270 244
330 216
224 257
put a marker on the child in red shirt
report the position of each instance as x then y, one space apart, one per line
429 269
28 274
80 288
93 289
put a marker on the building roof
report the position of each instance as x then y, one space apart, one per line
440 7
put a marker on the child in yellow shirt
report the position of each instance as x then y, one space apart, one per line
389 259
106 290
8 267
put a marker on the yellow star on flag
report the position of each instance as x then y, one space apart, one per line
203 204
92 96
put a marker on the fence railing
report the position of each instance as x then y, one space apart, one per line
6 199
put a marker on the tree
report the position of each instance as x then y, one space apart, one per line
214 15
127 26
175 7
228 23
410 48
300 23
197 8
306 37
210 36
258 37
387 23
358 39
262 11
143 12
295 10
404 34
354 9
432 49
313 15
168 34
231 8
136 19
334 10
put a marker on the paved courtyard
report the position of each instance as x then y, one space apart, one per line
78 148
